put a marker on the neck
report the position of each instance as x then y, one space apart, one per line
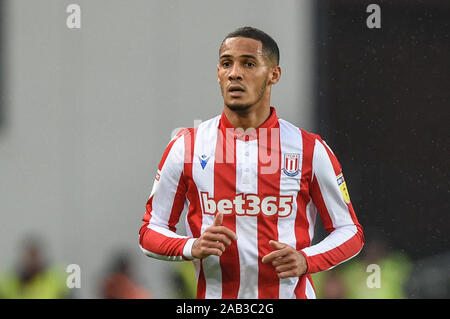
253 117
249 118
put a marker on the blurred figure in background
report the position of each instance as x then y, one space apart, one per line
33 277
120 283
184 281
394 271
330 284
358 279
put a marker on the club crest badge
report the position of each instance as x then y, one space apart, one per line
291 164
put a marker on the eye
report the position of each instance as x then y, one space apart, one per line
226 64
250 64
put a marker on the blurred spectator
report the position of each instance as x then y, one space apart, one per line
120 283
185 280
33 277
357 279
394 271
329 284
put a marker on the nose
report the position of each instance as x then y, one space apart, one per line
235 72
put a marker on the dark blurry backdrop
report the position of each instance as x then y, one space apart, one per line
383 103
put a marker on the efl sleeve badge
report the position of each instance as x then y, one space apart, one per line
343 188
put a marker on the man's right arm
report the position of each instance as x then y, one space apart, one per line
157 235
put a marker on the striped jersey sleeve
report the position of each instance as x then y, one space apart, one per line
157 235
330 196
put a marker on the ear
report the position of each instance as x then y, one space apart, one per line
218 81
275 74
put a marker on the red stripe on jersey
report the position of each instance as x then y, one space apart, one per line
169 246
303 198
316 194
145 220
224 181
268 185
300 289
201 283
178 204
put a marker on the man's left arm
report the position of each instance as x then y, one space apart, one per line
329 194
345 235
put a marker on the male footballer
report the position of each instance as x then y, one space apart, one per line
252 185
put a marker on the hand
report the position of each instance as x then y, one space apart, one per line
214 239
288 262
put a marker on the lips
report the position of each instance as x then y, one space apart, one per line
236 90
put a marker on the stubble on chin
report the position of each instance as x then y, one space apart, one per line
239 107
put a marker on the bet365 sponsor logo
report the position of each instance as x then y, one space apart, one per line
248 204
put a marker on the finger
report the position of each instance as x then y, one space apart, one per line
217 237
276 254
273 255
277 245
218 219
284 268
214 244
281 261
211 251
223 230
287 274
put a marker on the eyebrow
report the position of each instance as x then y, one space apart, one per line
241 56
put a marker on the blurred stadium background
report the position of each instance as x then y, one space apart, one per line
85 115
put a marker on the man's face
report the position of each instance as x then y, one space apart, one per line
243 73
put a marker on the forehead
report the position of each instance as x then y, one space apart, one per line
241 46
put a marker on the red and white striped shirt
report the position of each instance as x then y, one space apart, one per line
269 183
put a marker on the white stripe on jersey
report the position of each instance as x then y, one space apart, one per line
158 256
205 144
247 226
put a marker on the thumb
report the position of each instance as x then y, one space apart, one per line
277 245
218 220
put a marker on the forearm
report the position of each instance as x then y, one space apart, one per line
340 245
161 243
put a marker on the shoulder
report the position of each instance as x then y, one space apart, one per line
188 132
308 137
185 138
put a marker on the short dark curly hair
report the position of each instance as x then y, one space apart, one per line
270 47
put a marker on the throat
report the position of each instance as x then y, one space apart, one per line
246 117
